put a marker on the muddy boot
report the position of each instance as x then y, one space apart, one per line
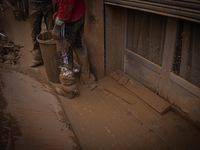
86 78
89 81
68 88
67 91
37 56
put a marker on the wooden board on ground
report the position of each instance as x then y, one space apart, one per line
102 120
126 96
153 100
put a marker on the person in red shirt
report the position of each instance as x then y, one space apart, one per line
68 31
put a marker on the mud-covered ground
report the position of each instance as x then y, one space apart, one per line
99 118
31 116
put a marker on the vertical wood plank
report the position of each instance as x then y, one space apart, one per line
168 55
125 25
114 38
94 37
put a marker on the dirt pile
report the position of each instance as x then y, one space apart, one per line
9 51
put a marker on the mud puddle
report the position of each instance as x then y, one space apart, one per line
31 116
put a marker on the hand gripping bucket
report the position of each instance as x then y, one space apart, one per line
50 56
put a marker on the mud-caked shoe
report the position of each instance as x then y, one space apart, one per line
91 85
61 92
36 63
67 91
89 82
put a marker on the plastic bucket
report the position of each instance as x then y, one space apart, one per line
50 56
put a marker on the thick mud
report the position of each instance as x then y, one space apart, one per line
101 119
31 116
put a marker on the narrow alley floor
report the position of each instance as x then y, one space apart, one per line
99 118
31 117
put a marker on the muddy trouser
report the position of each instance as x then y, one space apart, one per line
37 11
73 41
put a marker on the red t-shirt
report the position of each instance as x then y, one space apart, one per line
69 10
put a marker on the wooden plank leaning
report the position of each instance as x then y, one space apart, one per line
149 97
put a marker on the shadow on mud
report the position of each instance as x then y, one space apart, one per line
9 130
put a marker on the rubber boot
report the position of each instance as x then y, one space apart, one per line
86 77
68 87
37 58
67 91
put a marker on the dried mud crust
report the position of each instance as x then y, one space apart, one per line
8 126
9 129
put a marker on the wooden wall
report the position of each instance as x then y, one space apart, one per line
94 36
114 38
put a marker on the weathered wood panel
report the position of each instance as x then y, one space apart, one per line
153 100
186 103
114 21
145 75
94 36
188 10
168 56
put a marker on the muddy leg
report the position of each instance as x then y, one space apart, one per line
35 22
67 77
37 58
86 77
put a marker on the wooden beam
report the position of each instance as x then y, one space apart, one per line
191 12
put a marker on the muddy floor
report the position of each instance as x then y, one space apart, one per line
99 118
31 117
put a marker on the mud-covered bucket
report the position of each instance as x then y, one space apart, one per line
49 55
